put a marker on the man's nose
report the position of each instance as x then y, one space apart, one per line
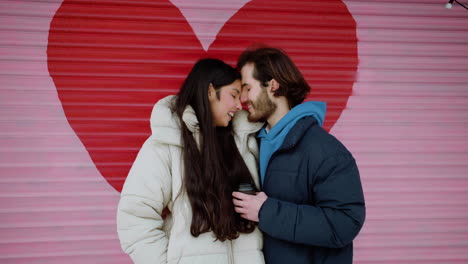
244 97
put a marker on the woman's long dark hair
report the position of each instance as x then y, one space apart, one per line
213 171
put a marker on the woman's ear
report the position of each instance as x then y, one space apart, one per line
211 92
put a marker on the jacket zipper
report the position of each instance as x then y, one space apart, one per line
230 255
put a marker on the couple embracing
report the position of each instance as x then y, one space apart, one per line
180 202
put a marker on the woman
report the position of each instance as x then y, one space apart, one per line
190 165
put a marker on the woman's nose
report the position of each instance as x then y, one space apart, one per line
238 105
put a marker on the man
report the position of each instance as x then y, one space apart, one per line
312 204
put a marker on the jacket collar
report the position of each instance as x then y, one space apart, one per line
297 132
241 124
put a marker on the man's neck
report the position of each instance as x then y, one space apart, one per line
281 110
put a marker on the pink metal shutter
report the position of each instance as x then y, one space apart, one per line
78 80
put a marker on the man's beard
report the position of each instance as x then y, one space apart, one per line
263 108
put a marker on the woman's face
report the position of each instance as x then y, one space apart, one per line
228 103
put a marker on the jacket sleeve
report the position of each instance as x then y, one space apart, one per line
335 217
147 190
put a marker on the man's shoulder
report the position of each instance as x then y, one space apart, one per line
313 132
316 138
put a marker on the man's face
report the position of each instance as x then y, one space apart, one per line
255 97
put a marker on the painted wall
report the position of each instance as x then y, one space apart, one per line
78 80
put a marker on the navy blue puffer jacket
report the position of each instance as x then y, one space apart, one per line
315 206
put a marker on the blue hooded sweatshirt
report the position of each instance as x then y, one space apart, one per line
272 140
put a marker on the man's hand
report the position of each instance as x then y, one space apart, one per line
248 206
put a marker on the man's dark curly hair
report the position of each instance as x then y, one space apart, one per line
273 63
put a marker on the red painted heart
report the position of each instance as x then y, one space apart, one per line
111 61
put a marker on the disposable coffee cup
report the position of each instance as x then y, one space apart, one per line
246 188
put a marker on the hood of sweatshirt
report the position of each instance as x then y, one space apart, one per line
273 139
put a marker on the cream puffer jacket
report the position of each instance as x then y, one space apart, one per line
155 181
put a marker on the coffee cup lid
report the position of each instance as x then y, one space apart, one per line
245 187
